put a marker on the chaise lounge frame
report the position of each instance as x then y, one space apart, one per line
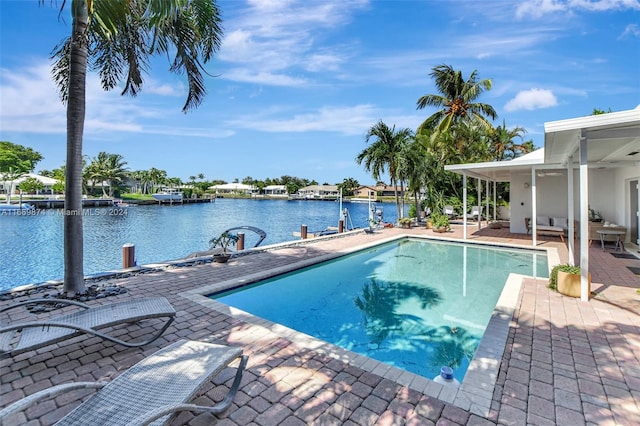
22 337
151 391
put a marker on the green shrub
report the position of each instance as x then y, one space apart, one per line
439 220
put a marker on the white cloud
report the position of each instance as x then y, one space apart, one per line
30 104
532 99
346 120
281 37
245 75
538 8
631 30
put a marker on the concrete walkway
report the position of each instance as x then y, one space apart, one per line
564 362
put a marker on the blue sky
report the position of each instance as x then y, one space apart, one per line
299 82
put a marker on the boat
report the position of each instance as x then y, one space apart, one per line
120 203
168 194
18 209
358 200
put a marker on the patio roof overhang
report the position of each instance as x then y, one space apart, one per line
613 140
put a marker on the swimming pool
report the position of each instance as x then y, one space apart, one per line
414 304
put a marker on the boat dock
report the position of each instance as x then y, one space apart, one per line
109 202
59 203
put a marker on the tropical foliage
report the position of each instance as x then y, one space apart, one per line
385 154
15 161
456 100
106 170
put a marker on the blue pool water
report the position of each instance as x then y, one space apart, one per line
414 304
31 247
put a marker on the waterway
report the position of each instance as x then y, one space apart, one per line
31 247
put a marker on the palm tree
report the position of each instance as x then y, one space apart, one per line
115 172
456 100
384 153
415 168
157 177
117 37
502 145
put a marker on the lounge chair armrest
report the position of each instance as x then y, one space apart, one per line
28 401
45 324
218 408
45 301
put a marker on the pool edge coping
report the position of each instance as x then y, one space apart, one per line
475 393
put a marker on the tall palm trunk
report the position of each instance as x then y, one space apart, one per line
394 182
73 236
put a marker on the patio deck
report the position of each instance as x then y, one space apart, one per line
565 361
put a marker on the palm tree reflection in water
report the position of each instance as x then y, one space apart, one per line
383 320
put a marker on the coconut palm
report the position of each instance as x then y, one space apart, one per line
117 37
384 153
455 100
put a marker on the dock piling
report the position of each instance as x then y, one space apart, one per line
128 255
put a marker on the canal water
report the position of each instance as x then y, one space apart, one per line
31 246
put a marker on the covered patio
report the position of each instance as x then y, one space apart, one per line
590 162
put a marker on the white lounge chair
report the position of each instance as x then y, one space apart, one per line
475 214
25 336
152 390
449 211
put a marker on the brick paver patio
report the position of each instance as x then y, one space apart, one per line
565 361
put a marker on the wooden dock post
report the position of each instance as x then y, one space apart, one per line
128 255
240 243
303 232
340 226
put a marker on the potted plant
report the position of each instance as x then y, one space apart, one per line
594 216
440 222
224 241
405 222
565 279
494 224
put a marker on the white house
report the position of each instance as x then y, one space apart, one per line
234 188
319 192
587 162
47 182
276 191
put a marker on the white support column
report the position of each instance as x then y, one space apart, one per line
464 206
584 221
487 191
570 212
534 208
495 206
479 201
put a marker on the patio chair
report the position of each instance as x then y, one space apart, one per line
475 214
151 391
25 336
449 212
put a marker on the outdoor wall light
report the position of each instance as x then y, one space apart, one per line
526 185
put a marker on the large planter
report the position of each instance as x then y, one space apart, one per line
221 258
569 284
440 230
